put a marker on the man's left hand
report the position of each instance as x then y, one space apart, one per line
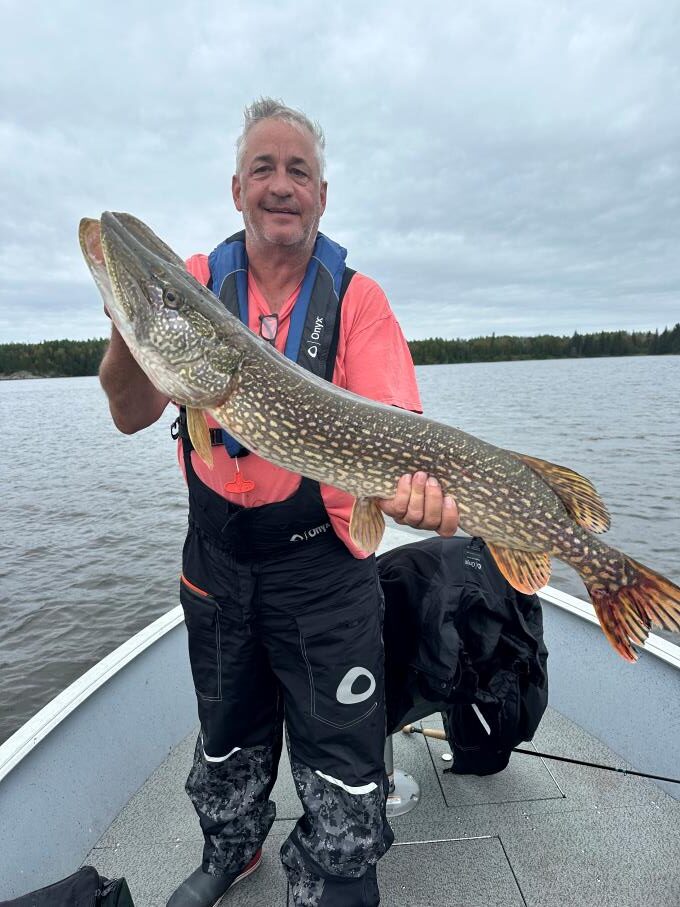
420 503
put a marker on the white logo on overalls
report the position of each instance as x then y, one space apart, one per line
310 533
312 348
344 693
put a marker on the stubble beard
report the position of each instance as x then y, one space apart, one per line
261 235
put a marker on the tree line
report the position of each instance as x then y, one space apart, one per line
73 358
53 358
545 346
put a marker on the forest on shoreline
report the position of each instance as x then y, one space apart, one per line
74 358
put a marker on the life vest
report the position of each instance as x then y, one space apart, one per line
314 328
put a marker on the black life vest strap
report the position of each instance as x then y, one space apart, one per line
180 429
333 349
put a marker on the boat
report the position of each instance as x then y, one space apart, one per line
97 777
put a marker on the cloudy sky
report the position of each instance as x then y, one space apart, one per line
497 165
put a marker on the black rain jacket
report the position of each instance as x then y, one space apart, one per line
457 635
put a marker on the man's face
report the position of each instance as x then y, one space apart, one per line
279 190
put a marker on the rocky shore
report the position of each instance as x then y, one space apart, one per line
19 376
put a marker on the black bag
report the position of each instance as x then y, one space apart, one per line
85 888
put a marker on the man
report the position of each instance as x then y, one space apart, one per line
283 611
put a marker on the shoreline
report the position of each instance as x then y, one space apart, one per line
26 375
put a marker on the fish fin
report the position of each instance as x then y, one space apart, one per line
367 524
627 611
577 493
199 434
526 571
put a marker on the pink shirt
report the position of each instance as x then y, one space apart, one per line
373 359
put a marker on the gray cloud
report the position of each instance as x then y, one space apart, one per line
497 167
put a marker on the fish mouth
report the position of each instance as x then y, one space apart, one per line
115 238
123 255
90 238
149 279
90 242
136 259
178 331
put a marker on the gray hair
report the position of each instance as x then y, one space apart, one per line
271 108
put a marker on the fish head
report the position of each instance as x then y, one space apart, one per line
177 330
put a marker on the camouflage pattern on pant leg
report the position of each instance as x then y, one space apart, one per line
306 887
233 806
341 832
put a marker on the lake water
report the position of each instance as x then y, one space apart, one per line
93 521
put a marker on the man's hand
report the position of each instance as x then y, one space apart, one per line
419 503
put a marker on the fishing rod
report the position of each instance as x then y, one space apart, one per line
440 735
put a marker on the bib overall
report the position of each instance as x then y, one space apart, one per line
284 622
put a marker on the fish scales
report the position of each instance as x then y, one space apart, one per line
380 444
526 509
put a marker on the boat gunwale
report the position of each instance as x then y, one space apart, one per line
29 735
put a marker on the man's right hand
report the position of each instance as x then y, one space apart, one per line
420 503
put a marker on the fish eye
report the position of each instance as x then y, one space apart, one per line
171 298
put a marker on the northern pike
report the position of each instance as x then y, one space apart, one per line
526 509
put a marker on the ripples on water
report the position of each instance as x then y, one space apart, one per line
92 532
93 521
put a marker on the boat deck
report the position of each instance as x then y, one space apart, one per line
540 833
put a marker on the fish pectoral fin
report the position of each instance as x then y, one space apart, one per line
199 433
526 571
367 524
576 492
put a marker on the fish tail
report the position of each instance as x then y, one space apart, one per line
628 605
